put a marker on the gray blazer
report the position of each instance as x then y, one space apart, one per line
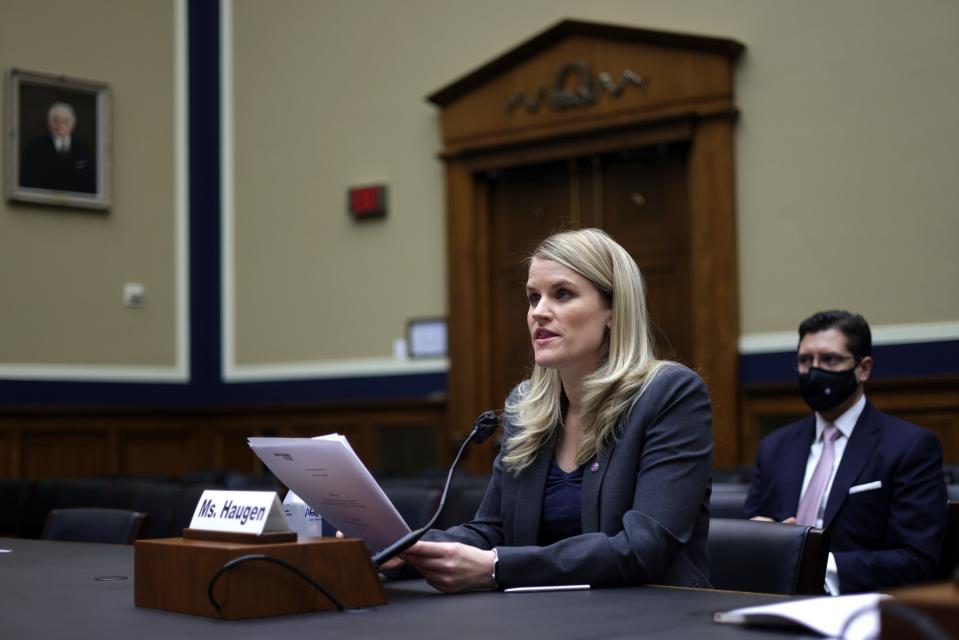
645 507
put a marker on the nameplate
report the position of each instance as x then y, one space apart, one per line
255 512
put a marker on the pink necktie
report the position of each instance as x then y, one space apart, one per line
811 500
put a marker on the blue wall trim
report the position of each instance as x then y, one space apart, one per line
891 361
204 171
119 395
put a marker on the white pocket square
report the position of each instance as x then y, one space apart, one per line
869 486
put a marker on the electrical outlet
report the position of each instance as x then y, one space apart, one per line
133 294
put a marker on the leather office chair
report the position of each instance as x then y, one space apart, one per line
951 472
727 500
767 557
741 474
14 496
415 504
236 481
161 502
950 544
94 524
187 507
462 503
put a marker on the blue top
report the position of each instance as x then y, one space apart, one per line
561 517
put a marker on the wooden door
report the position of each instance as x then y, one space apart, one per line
645 208
638 196
525 205
555 98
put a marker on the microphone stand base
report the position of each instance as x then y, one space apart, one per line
173 574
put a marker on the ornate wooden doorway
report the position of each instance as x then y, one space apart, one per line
637 195
634 137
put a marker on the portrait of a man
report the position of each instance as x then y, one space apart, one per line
58 159
58 140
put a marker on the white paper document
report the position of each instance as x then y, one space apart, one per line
328 476
856 615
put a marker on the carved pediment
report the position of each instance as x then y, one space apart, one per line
580 75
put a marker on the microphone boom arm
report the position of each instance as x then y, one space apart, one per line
481 431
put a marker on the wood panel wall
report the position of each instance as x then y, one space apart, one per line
394 438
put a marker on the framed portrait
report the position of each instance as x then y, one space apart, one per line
58 140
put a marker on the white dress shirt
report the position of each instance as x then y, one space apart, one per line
844 425
62 144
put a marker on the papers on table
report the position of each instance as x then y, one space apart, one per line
328 476
828 615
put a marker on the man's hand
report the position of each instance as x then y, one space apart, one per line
451 566
789 520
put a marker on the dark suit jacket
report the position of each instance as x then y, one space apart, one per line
645 510
43 168
885 537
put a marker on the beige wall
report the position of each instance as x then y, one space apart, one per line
846 158
63 270
846 167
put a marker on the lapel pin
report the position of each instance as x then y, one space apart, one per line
595 467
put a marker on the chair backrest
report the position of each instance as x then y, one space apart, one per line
161 502
767 557
461 504
950 544
951 472
236 481
742 474
94 524
187 507
727 500
14 497
43 498
415 504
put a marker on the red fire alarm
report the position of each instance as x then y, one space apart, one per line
367 202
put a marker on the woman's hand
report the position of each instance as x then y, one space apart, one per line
392 563
451 566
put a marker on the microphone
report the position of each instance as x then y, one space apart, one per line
486 425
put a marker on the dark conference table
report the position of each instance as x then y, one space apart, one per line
50 589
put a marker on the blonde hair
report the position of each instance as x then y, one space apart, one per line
610 391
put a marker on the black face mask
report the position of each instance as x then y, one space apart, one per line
825 390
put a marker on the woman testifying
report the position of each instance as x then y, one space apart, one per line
604 469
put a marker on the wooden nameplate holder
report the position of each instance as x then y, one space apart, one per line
174 574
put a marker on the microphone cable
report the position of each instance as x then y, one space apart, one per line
235 562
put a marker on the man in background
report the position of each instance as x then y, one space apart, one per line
874 481
58 161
